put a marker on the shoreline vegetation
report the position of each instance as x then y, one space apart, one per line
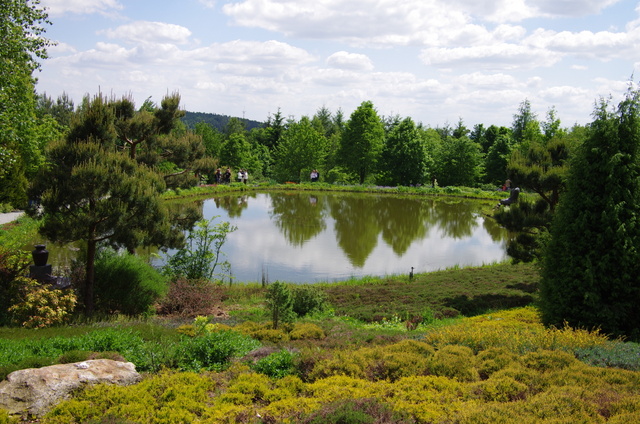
460 345
464 192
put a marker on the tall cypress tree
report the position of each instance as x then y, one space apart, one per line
591 269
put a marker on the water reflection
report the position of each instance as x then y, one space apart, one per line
306 237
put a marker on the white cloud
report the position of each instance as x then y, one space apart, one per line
149 32
602 45
498 56
80 7
345 60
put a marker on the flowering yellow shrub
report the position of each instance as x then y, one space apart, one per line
454 361
41 306
506 379
307 331
518 330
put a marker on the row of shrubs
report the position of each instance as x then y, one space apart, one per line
447 377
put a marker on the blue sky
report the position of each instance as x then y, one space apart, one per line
437 61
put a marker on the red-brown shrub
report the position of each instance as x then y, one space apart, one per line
191 298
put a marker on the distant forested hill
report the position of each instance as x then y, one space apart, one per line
218 122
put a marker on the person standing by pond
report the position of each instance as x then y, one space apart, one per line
315 175
227 176
218 176
245 176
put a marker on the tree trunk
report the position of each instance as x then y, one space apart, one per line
90 277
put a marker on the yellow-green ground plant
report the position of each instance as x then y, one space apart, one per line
524 373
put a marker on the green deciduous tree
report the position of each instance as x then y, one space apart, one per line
496 160
404 156
21 46
300 150
459 162
592 263
362 141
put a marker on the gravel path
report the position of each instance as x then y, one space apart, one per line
5 218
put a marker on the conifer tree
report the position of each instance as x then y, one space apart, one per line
591 269
93 193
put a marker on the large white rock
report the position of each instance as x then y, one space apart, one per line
35 391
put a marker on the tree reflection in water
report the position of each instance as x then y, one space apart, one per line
306 237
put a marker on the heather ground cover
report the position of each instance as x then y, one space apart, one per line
500 365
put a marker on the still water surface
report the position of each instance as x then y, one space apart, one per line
313 237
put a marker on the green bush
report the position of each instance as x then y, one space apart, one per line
277 365
125 283
213 351
308 298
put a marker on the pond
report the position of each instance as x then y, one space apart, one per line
314 237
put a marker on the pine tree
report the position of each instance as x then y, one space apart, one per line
92 192
591 269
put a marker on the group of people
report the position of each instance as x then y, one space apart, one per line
225 177
243 176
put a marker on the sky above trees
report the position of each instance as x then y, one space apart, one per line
437 61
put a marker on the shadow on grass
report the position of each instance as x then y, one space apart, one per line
487 302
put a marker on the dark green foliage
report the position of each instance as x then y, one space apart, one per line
213 351
542 168
307 299
529 221
95 194
218 122
280 303
615 354
362 141
404 157
591 267
496 159
125 283
277 365
459 162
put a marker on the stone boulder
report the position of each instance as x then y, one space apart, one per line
35 391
